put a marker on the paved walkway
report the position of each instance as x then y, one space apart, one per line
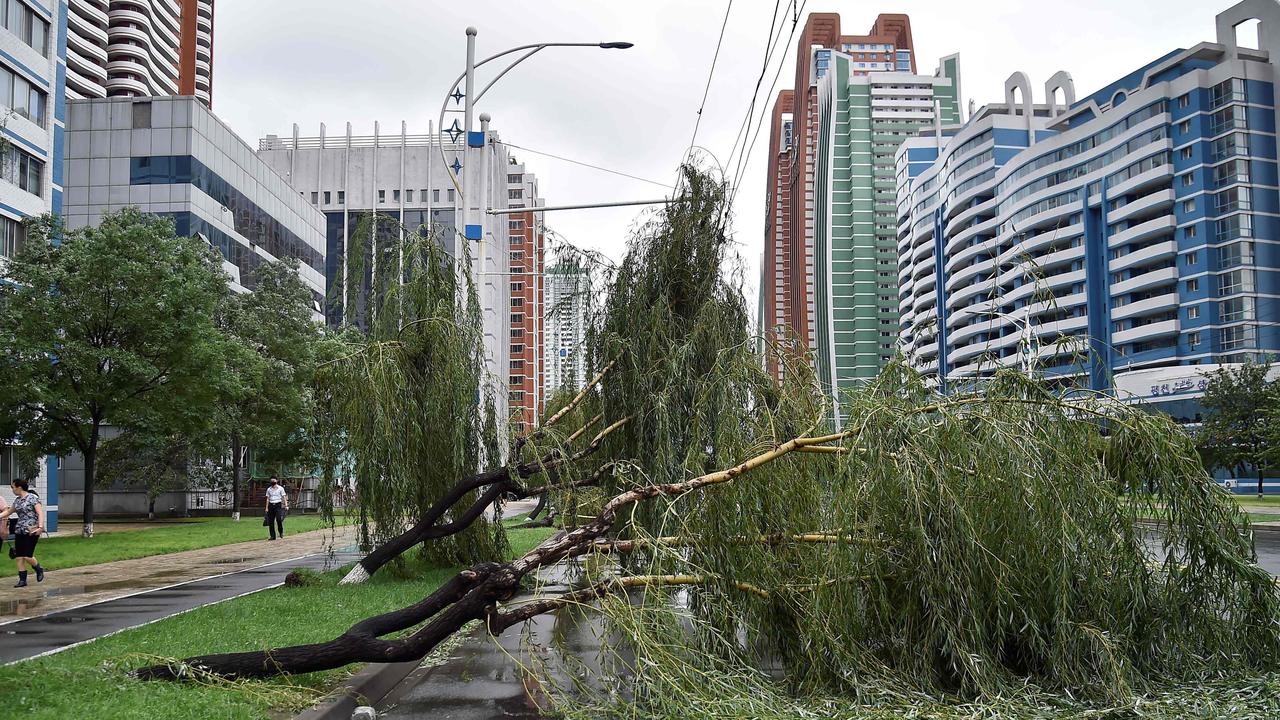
64 589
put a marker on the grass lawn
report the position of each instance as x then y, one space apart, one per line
59 553
1266 501
90 681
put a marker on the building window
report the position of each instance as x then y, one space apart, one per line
1191 259
1184 127
327 197
516 239
450 194
382 196
1193 285
435 195
1186 152
395 196
517 319
1184 100
26 99
408 195
1188 180
515 224
22 169
517 302
315 198
513 179
517 349
141 115
12 234
30 28
1189 232
1193 339
515 194
517 364
517 333
517 287
1193 312
516 397
517 255
342 197
1189 206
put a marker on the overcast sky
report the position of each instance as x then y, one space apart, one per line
281 62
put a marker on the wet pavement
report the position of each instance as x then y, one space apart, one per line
75 587
57 631
488 678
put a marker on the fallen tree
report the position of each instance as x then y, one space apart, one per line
966 546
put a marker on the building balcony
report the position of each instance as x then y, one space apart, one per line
1156 202
1145 255
1146 280
1144 307
1137 183
1150 330
1142 231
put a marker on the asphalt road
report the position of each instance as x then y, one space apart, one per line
60 630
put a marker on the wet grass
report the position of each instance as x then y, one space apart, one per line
60 553
90 681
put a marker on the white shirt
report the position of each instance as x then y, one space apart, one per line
275 494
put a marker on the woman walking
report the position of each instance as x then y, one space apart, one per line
29 512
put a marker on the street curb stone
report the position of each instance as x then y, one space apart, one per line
366 687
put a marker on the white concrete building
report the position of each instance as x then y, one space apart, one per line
140 48
348 176
568 290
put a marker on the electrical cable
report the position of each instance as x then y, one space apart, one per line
584 164
710 74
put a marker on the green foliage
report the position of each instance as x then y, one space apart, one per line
405 403
277 340
115 325
1239 422
156 463
968 547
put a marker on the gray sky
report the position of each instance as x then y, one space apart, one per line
278 62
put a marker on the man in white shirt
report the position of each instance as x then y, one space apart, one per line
277 506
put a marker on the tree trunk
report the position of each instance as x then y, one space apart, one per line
235 476
537 510
90 455
1260 473
151 508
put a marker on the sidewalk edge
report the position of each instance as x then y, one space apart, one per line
366 687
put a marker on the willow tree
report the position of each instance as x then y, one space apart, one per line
751 562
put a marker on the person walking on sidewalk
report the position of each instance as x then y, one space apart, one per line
29 512
277 506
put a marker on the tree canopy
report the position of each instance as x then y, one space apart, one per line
750 561
110 325
1239 422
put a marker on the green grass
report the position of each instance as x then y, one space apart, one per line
90 681
60 553
1266 501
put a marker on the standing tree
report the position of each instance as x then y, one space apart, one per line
155 463
966 546
110 325
1236 430
277 340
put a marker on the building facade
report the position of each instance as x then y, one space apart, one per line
1128 242
525 235
33 42
569 293
139 48
349 177
790 276
862 119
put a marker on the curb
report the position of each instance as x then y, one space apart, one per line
366 687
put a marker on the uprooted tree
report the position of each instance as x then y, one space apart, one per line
965 545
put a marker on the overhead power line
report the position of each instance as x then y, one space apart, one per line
710 74
584 164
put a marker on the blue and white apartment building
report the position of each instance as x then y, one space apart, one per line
33 68
1128 241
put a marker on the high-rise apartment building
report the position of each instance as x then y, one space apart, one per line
830 219
1128 241
32 70
525 236
351 177
862 119
568 289
791 203
140 48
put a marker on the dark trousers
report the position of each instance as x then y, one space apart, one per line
275 518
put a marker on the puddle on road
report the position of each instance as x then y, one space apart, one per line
18 607
65 619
